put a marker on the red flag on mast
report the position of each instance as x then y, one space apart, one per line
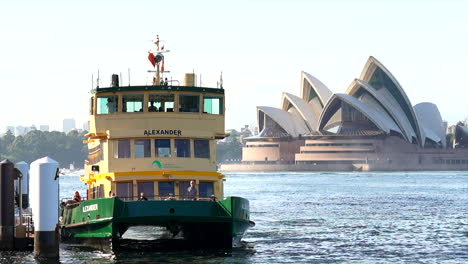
151 59
162 65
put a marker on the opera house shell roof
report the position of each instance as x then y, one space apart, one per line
374 104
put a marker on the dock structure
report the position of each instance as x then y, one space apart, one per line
17 229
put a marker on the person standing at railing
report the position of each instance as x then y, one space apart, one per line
77 197
142 197
192 190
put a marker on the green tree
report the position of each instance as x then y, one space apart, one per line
65 149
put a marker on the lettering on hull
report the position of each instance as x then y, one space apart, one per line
91 207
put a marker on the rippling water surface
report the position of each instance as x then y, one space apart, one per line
381 217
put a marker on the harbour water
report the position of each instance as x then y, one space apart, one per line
375 217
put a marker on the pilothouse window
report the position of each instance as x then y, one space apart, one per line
161 103
189 103
91 106
107 104
213 105
132 103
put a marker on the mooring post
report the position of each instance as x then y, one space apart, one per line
7 205
45 207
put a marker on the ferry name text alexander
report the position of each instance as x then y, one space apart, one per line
156 132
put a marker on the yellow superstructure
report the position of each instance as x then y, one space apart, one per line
154 139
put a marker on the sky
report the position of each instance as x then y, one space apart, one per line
51 51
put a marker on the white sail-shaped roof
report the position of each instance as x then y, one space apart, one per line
383 82
298 106
366 94
431 121
375 115
314 92
291 123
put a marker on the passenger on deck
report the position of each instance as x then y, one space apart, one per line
192 191
142 197
77 197
213 198
152 108
111 106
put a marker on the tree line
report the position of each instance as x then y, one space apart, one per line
69 149
66 149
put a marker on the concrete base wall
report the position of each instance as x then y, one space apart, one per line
353 167
358 154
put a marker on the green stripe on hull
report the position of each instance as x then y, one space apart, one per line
110 218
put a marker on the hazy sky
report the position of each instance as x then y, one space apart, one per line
50 49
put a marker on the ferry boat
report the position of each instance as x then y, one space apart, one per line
154 140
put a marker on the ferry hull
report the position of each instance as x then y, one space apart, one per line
220 223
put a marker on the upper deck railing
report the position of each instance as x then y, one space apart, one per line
140 88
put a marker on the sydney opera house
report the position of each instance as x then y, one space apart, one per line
371 126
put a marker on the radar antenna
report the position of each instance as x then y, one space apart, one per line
157 60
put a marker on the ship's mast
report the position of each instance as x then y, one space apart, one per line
157 59
157 77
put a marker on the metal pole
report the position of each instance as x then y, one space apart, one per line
20 194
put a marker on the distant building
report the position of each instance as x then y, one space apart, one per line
451 129
44 128
86 126
21 130
68 125
11 129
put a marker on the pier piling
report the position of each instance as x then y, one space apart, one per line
44 203
7 205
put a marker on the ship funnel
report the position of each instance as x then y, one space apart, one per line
189 79
115 80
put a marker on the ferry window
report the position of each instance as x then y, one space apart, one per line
161 103
189 103
183 187
163 147
125 190
132 103
201 148
142 148
122 149
182 148
107 104
147 188
213 105
91 106
206 189
165 188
